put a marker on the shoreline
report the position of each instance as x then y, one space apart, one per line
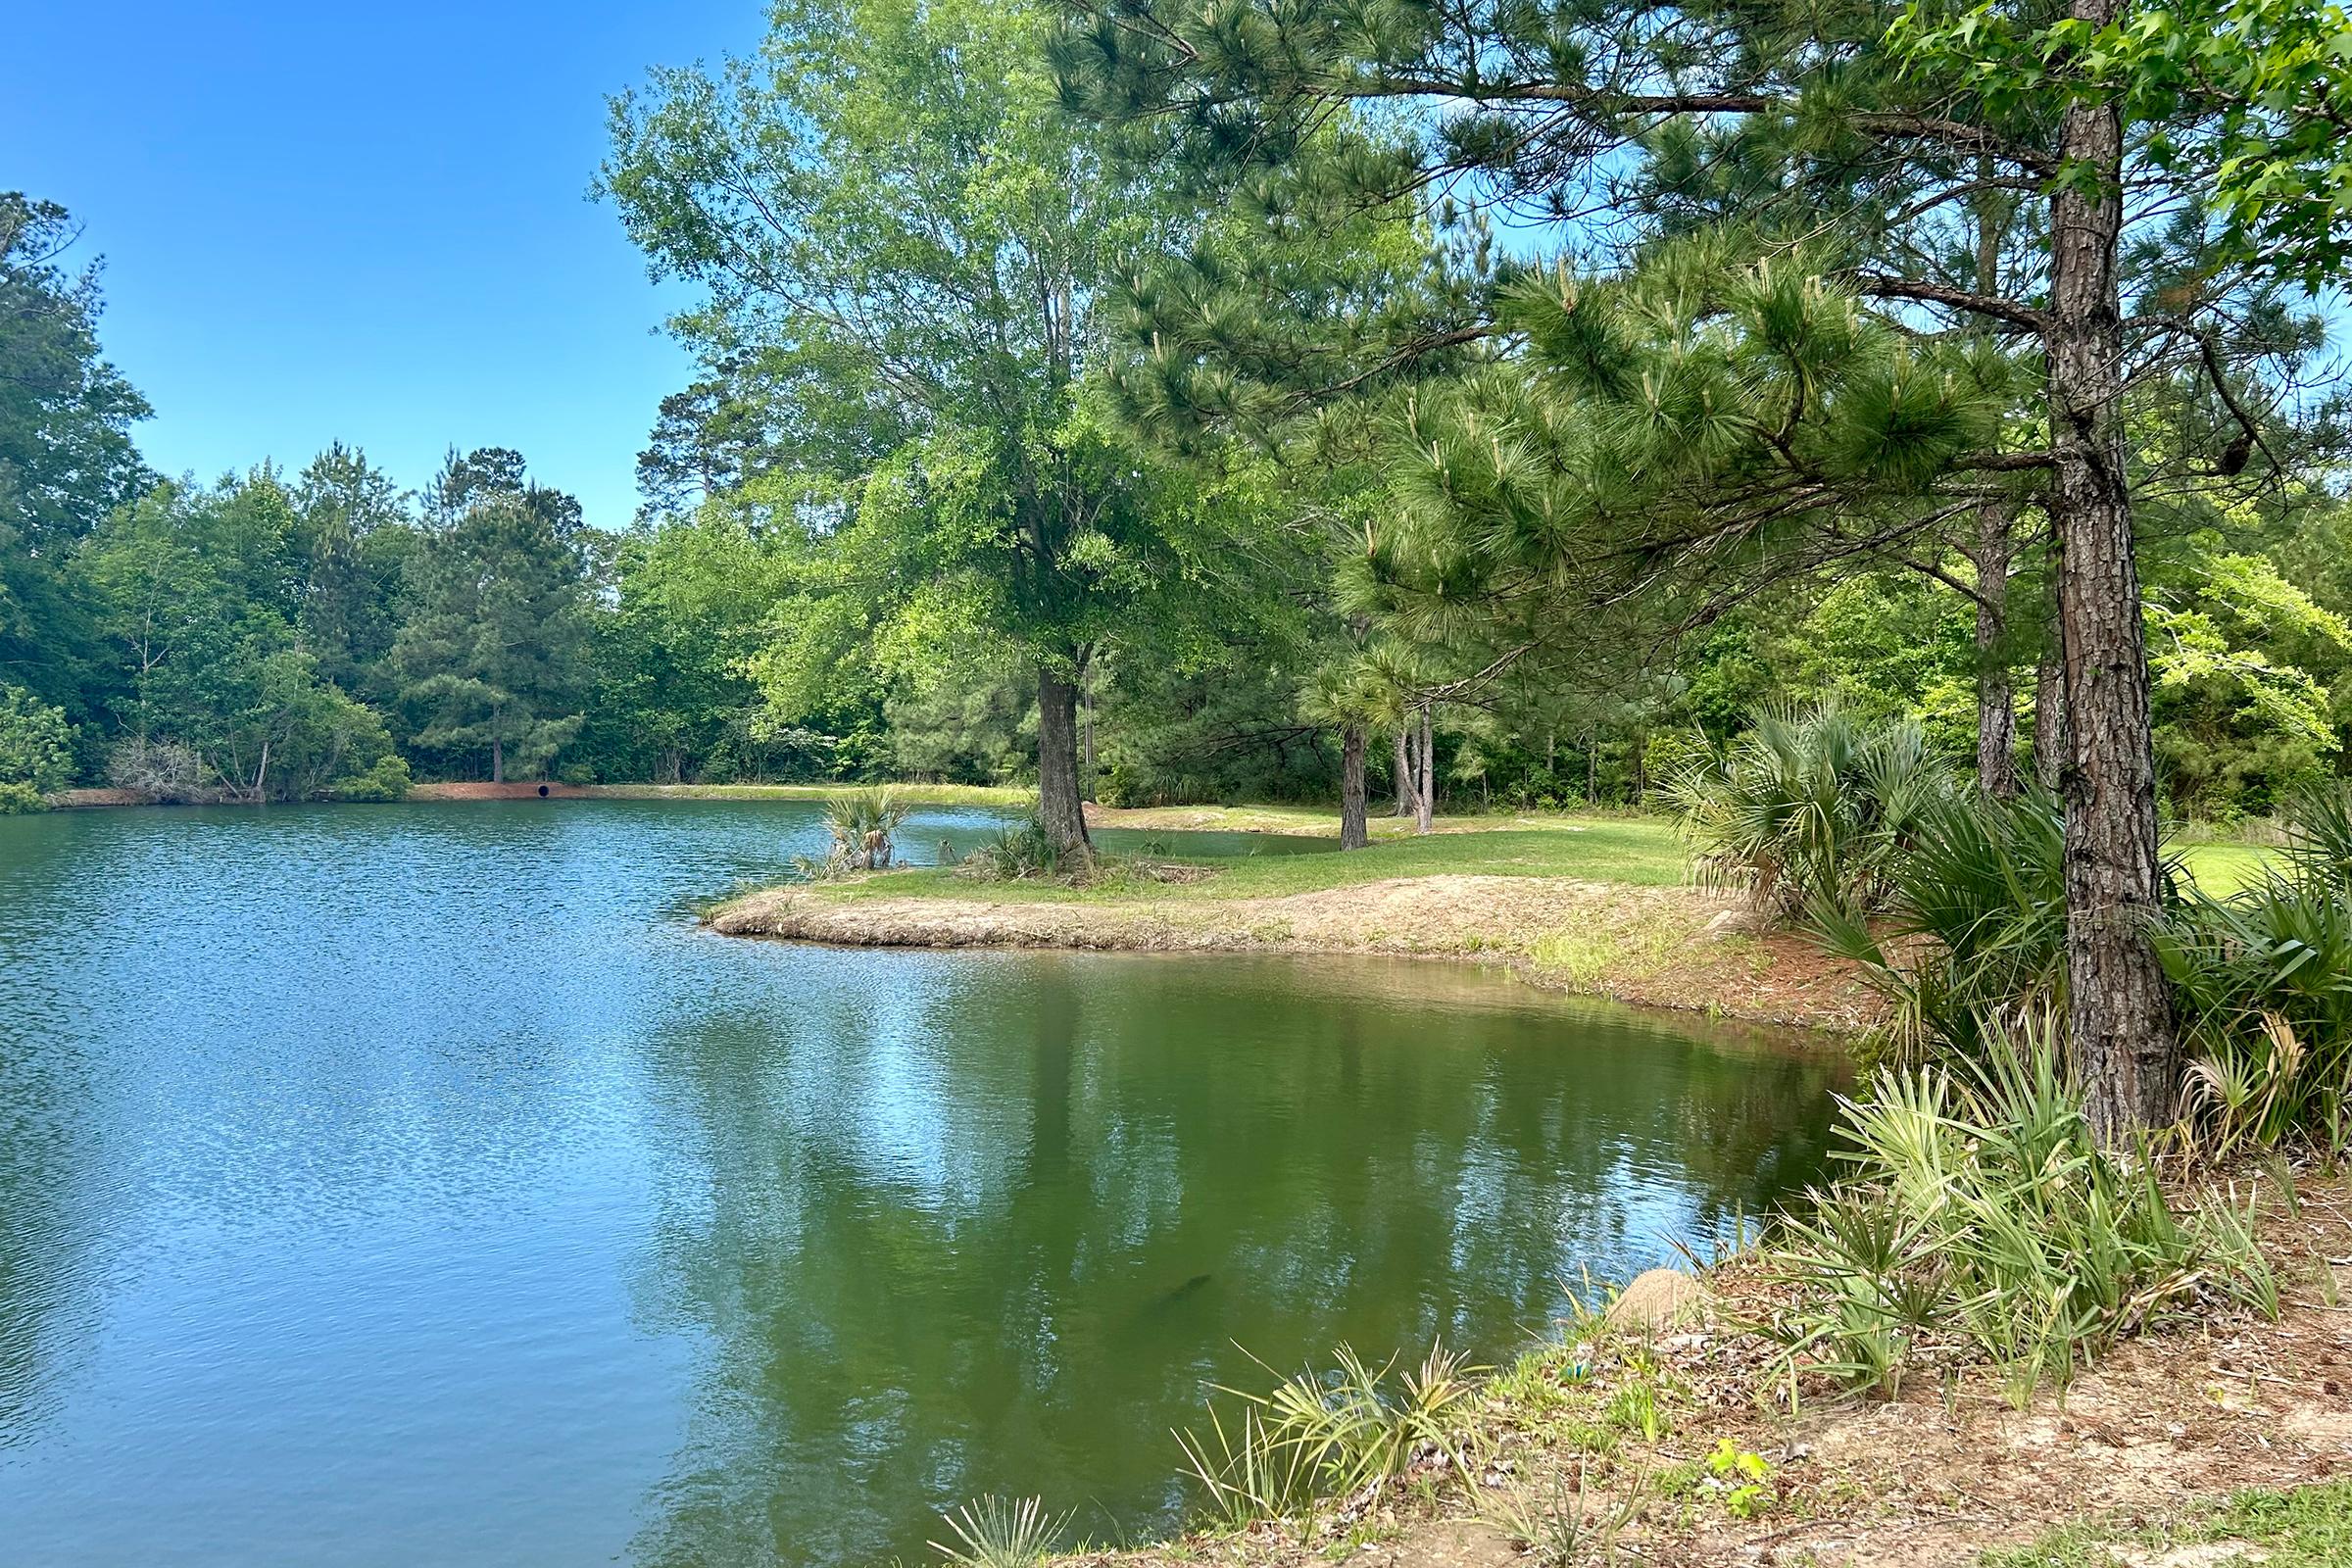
1672 949
2177 1448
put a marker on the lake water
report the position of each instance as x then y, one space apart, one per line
418 1186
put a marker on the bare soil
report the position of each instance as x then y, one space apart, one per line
512 790
1678 948
73 800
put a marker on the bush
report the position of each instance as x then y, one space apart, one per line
2262 981
995 1533
862 822
19 800
1810 805
1973 926
387 780
1023 850
1331 1435
36 744
1981 1220
160 770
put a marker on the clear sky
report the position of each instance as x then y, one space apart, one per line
369 223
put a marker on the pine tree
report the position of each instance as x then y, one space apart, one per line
1839 132
489 655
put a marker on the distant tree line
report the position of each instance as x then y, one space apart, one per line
332 632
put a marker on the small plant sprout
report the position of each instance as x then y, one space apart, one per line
1741 1475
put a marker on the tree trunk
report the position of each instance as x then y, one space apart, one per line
1996 699
1060 811
498 761
1355 831
1086 749
1405 770
1427 804
2118 1008
2049 717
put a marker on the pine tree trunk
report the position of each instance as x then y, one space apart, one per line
2049 717
1405 770
498 761
1996 699
1356 832
1427 804
1060 811
2119 1011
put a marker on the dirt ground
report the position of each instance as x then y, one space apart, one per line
515 790
1655 946
1934 1478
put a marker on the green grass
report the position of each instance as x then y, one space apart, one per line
2224 869
2299 1527
1637 851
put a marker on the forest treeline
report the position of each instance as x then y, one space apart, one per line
330 632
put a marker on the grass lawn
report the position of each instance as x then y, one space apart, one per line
2306 1527
1636 849
1641 851
2224 869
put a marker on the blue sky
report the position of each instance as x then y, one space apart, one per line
369 223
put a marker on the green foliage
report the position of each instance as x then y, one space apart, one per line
35 742
65 454
890 191
386 781
489 655
1022 851
1812 806
1331 1435
1741 1475
671 697
2262 981
995 1533
862 822
19 799
2295 1527
1972 927
1980 1219
2229 86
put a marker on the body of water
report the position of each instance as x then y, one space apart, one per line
417 1185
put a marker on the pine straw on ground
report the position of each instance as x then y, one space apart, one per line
2164 1424
1661 947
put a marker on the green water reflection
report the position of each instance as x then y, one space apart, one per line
417 1185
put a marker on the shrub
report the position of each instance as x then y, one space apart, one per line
1810 805
862 822
36 744
2262 982
1016 853
160 770
995 1533
388 781
1331 1435
1981 1220
19 799
2318 823
1973 927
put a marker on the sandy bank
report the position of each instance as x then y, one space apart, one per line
1654 947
